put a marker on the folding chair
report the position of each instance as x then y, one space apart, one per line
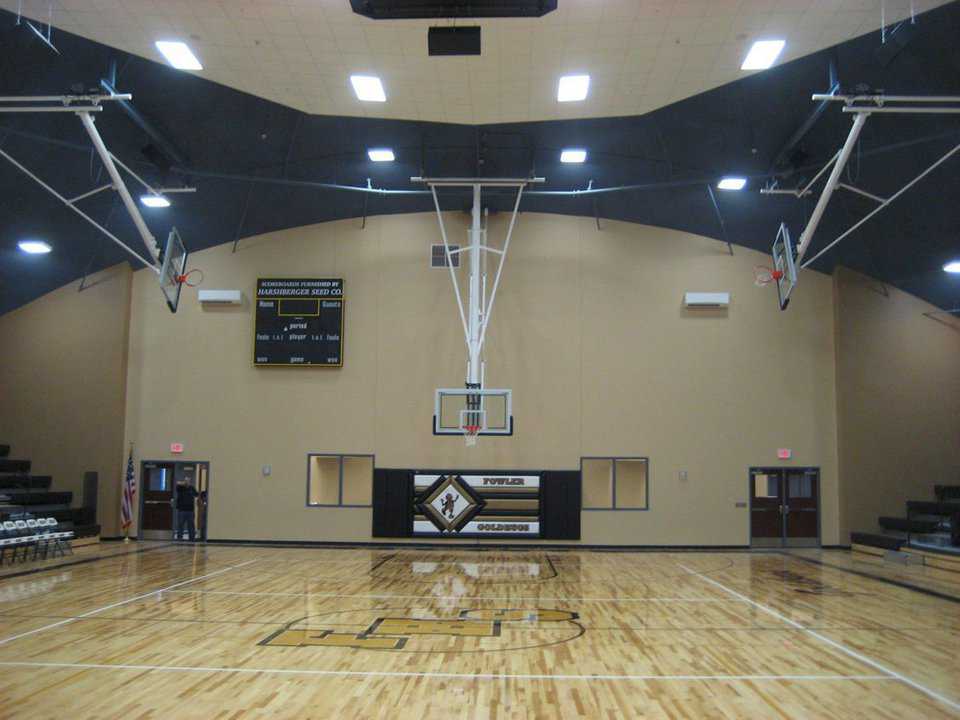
9 539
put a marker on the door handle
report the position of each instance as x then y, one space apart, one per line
156 502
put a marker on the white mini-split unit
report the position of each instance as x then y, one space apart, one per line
220 297
706 300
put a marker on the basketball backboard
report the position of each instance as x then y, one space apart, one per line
784 265
173 265
490 411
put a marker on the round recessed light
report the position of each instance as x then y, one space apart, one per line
952 267
34 247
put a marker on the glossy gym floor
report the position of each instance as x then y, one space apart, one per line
179 631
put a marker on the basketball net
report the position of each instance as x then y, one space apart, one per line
763 275
470 435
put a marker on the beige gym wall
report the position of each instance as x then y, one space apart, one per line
588 331
62 379
898 401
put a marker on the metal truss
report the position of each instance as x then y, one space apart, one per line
476 317
862 107
84 107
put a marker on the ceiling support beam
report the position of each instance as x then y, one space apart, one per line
138 119
779 164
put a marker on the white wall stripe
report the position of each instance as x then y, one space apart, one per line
832 643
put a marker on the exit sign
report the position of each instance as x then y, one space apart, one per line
176 448
784 453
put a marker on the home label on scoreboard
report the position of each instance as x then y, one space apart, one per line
299 321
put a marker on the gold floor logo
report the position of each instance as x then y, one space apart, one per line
514 628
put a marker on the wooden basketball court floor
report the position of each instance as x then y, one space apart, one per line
173 631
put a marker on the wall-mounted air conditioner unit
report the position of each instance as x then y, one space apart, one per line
706 300
220 297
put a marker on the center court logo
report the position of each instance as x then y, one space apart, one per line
466 631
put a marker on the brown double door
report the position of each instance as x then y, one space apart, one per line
159 487
784 507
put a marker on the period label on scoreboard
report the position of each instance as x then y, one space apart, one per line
299 322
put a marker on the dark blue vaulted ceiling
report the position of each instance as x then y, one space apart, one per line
253 161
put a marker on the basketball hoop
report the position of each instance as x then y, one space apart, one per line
763 275
470 435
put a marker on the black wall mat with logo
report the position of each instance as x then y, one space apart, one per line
394 491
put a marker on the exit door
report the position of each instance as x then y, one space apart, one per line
156 512
158 482
785 507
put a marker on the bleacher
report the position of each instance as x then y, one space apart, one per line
927 526
35 520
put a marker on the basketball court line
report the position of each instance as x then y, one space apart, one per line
452 676
832 643
459 597
51 626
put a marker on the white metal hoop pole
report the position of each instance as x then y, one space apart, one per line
78 211
503 256
474 309
453 275
807 235
886 202
119 186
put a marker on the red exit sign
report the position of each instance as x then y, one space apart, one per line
176 448
784 453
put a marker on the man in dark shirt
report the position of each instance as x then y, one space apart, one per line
185 498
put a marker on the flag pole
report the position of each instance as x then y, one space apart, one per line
126 500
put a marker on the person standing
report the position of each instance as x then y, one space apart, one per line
185 500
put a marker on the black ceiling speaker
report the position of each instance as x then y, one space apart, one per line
454 40
425 9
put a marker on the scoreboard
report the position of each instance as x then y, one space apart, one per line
299 321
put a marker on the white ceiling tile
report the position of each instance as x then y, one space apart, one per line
640 54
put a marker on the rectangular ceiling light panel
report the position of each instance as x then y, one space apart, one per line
368 88
178 55
573 88
763 54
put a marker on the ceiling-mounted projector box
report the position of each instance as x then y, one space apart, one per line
220 297
706 300
455 40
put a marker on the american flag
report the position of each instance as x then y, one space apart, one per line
129 490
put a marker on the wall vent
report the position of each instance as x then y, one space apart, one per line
438 258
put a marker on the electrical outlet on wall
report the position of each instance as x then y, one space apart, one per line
683 476
266 470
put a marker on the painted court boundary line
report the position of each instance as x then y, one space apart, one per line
832 643
455 676
51 626
460 597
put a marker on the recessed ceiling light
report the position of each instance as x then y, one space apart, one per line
368 88
732 183
952 267
34 247
573 88
178 55
154 201
381 155
573 156
763 54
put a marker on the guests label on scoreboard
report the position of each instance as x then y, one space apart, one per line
299 321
